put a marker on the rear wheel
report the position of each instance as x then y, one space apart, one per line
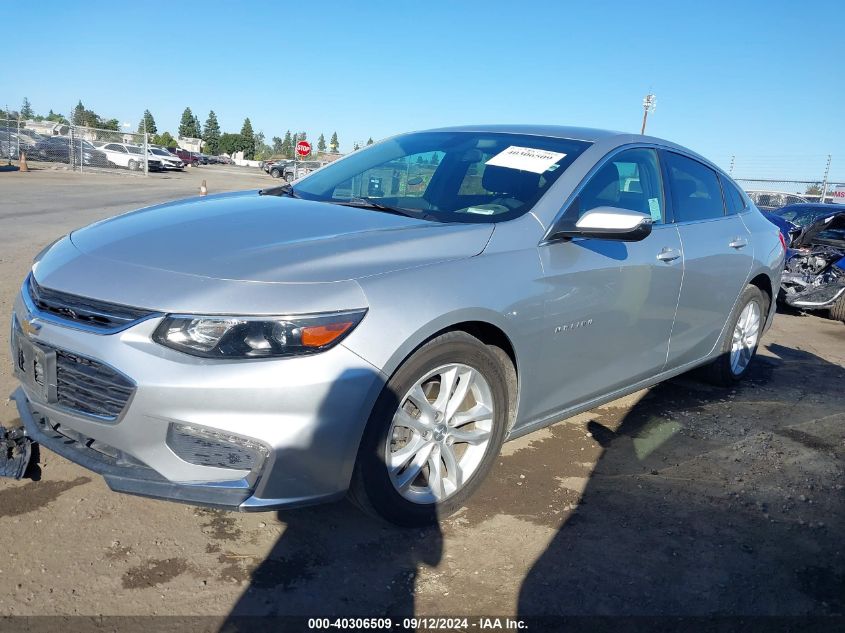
743 335
434 432
132 165
289 177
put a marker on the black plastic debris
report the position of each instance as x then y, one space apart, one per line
15 452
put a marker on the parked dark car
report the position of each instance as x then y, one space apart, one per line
202 159
189 158
277 167
57 149
814 274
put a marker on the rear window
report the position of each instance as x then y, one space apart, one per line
733 198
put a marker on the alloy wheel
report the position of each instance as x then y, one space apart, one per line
745 337
440 433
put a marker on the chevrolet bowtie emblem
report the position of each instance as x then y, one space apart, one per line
30 327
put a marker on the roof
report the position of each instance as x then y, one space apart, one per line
557 131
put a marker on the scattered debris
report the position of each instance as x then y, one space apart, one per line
15 452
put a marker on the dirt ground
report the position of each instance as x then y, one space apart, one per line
680 500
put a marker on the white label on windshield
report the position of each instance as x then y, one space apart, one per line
526 159
481 210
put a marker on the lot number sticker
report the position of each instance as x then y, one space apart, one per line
526 159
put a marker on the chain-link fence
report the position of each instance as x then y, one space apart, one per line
767 192
77 147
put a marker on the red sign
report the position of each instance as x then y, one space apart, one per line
303 148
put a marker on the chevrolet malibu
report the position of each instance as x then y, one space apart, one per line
382 326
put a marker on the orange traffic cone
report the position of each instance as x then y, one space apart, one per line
22 162
203 189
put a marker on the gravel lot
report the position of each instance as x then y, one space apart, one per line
679 500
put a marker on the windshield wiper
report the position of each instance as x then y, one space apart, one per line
369 203
285 190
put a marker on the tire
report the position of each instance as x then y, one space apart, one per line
275 173
837 311
375 490
724 371
132 165
289 178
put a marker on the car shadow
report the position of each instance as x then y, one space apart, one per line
702 504
335 560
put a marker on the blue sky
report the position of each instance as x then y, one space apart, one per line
759 80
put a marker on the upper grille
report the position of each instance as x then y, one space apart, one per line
90 387
90 312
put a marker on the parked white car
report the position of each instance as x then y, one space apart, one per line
168 160
130 156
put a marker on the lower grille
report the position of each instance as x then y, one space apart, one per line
90 387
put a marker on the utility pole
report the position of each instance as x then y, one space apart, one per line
649 104
826 174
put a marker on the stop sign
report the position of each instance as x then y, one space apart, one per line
303 148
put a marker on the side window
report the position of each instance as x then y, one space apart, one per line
733 199
696 194
630 180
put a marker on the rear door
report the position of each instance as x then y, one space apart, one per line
718 256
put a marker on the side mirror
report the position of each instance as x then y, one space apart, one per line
609 223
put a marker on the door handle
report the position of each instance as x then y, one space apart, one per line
738 242
668 255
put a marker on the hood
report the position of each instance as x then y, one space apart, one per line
254 238
835 221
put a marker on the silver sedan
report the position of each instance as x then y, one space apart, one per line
382 326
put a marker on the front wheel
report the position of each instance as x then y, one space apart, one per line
742 337
837 310
275 173
132 165
434 432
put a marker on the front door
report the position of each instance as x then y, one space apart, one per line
610 305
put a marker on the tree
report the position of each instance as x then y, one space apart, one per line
188 125
26 109
197 127
321 143
56 118
147 124
814 190
278 145
211 134
88 118
287 145
262 150
166 139
356 147
230 143
370 141
79 114
334 143
247 140
435 159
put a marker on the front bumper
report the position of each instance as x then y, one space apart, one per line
309 412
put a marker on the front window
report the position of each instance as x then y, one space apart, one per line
448 176
629 180
134 150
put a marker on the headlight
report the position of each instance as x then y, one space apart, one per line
255 337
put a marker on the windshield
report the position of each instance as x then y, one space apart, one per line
159 152
133 150
448 176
